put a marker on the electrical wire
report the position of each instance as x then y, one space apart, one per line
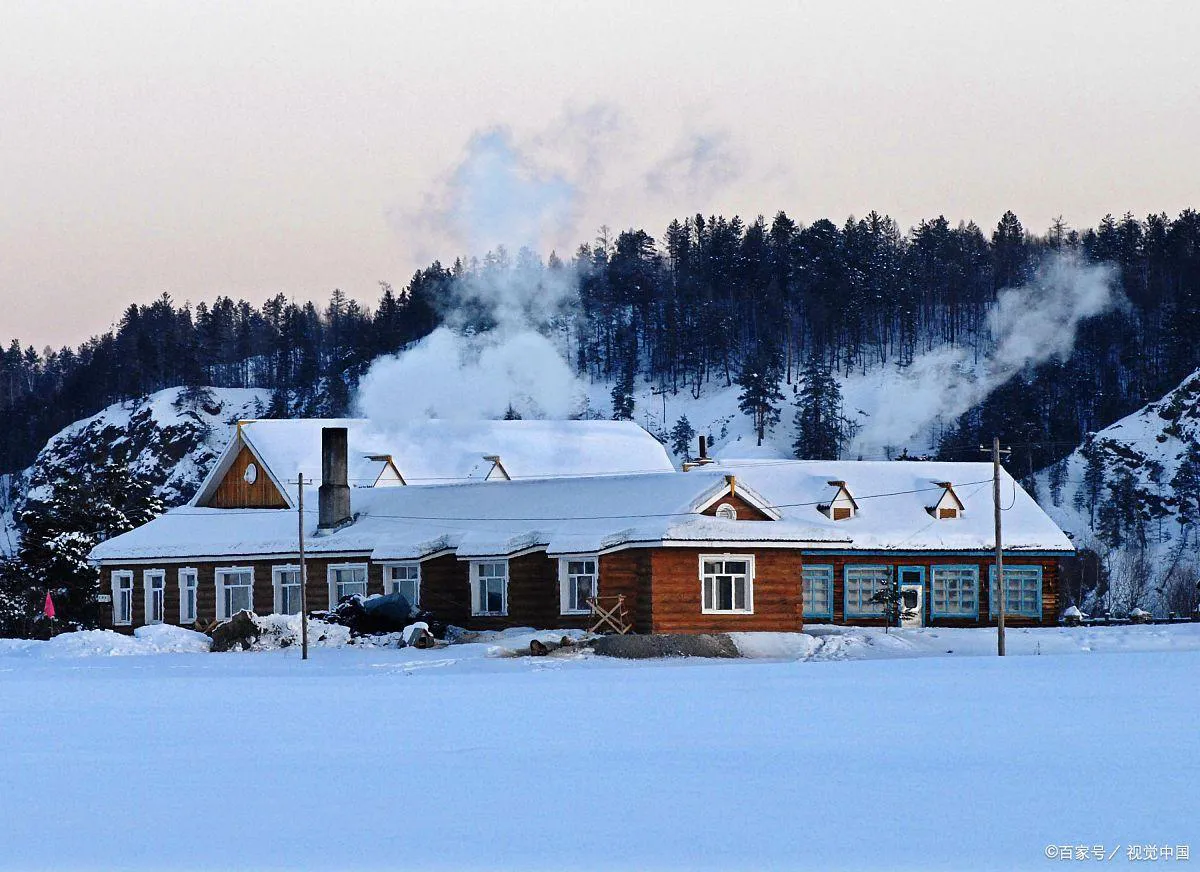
224 512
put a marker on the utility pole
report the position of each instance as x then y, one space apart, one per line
303 574
661 391
1000 605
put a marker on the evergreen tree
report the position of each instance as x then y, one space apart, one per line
622 395
1186 485
759 380
59 532
682 435
821 428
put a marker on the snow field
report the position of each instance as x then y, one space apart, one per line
456 758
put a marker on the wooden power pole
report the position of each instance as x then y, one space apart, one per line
999 547
303 574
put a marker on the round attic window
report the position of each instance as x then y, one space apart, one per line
727 512
251 473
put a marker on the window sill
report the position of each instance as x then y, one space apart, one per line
489 614
727 611
576 612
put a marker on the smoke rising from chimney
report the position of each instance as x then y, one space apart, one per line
1029 325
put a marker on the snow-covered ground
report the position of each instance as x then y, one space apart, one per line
861 757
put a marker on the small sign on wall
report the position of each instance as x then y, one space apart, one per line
104 598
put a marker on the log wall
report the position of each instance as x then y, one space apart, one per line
234 493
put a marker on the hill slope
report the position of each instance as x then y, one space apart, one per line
170 439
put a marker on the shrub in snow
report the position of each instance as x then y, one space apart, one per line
1073 617
1140 616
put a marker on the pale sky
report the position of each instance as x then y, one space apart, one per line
251 148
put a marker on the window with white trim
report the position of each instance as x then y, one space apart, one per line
576 584
347 579
154 581
489 587
188 584
404 579
817 581
1023 588
955 591
727 584
727 512
122 593
862 583
235 591
286 582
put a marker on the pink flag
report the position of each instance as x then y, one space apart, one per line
48 609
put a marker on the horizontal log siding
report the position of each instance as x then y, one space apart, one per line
745 511
445 589
676 595
206 590
533 598
234 493
1049 586
661 588
628 572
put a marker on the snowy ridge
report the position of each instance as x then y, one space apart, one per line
1126 493
170 439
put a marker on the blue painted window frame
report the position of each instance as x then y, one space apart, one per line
827 570
933 611
877 609
1020 613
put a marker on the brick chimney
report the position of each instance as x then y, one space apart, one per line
333 499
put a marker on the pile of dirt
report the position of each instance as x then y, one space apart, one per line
649 647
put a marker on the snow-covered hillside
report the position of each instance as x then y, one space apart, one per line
170 439
1124 483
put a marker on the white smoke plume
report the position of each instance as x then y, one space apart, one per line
1029 325
497 199
524 194
455 377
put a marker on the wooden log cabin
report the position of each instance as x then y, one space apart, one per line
728 546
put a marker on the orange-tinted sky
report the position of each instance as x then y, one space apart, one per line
250 148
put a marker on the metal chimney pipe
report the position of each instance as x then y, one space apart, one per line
333 497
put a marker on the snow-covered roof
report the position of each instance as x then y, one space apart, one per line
444 452
597 513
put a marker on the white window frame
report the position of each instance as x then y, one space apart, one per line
277 586
117 591
189 580
476 582
566 583
390 582
821 573
863 608
726 511
219 582
748 559
952 595
148 595
331 577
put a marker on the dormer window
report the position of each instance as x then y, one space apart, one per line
842 507
727 512
949 506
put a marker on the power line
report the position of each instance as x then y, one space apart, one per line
223 512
